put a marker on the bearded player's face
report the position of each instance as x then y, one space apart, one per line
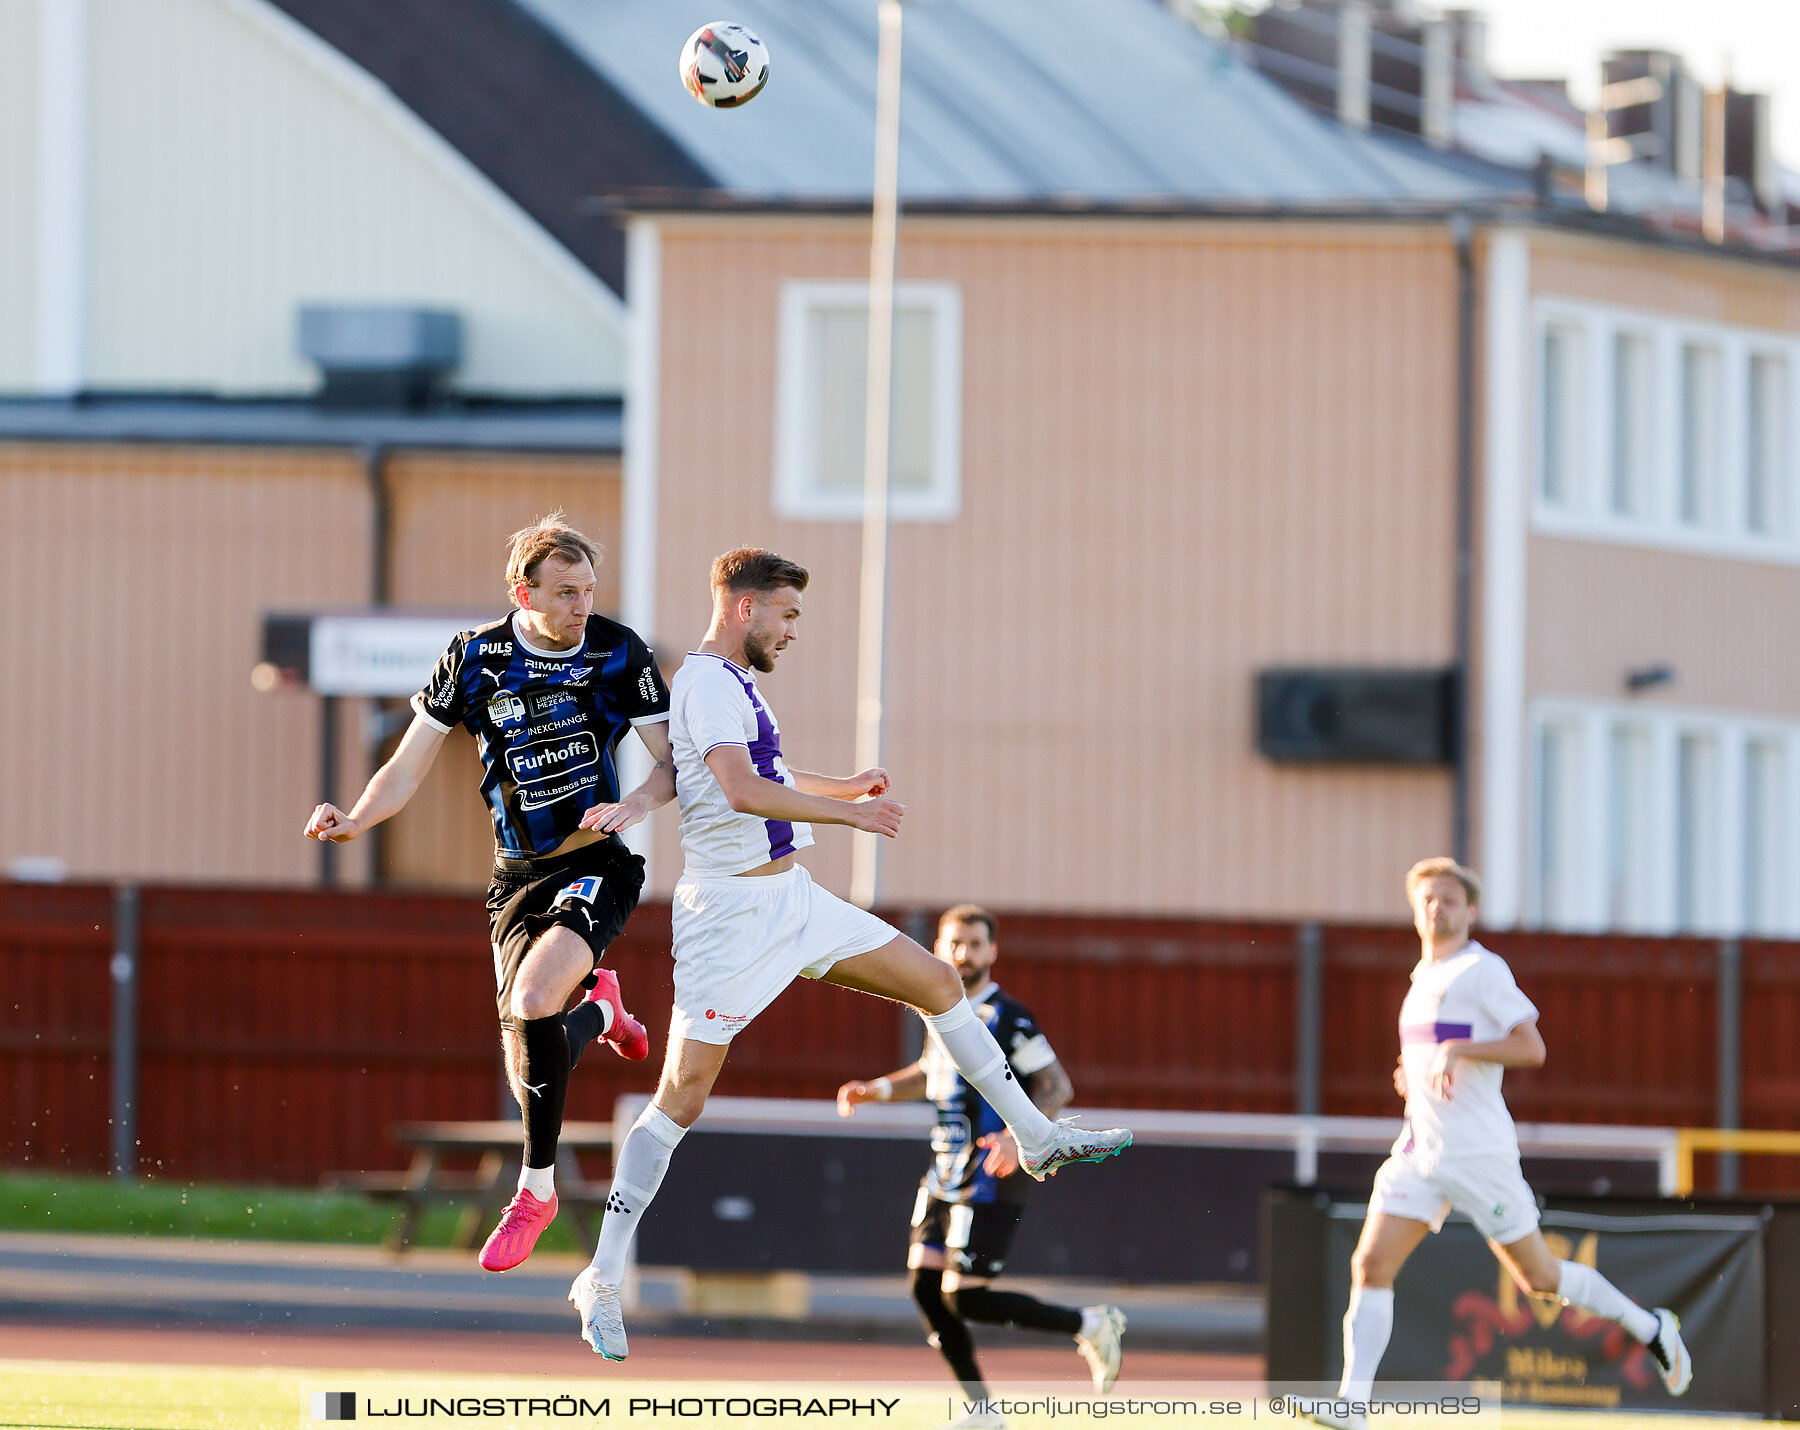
773 621
967 948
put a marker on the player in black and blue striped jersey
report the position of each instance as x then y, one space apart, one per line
548 692
973 1194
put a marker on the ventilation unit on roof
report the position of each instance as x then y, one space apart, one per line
380 356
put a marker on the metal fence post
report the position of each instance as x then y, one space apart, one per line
124 1030
1729 1111
1309 1016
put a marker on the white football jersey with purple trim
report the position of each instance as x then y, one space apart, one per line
714 702
1470 995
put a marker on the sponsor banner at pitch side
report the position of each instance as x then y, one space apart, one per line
1458 1316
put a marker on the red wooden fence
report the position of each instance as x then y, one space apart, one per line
282 1033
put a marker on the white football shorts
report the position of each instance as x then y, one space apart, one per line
740 941
1489 1191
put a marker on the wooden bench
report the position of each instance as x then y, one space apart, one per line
428 1182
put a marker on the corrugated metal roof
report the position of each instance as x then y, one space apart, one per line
1105 100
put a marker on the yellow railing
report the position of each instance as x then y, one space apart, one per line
1689 1140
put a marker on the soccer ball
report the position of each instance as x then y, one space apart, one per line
723 65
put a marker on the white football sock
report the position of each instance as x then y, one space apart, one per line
1367 1325
979 1059
539 1181
1585 1287
637 1173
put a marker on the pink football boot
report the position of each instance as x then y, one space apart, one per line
627 1036
521 1224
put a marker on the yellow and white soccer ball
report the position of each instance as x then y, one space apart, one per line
724 65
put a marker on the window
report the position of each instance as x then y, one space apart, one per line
1766 856
1696 833
1633 400
1558 838
822 392
1651 819
1701 429
1629 846
1559 402
1659 430
1767 446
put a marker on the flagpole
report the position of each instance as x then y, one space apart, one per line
865 854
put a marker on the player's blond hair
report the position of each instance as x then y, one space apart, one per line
528 548
1443 865
970 914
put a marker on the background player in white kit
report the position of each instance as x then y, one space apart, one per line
748 920
1463 1023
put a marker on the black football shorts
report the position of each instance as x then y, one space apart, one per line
974 1236
591 890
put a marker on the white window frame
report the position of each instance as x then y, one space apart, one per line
1588 513
797 493
1639 480
1575 409
1589 856
1782 496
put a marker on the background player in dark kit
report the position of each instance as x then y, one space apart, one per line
548 691
971 1199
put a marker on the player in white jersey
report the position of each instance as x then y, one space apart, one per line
1462 1024
748 920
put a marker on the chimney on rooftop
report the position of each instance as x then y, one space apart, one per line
1366 61
1471 30
1353 64
1658 109
1749 151
1437 84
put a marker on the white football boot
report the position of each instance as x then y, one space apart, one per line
1069 1143
1671 1356
602 1314
1103 1350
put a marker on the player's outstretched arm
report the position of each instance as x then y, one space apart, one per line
749 793
869 782
907 1085
657 789
1523 1047
393 785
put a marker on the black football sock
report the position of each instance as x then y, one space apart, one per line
1011 1308
948 1333
546 1079
583 1023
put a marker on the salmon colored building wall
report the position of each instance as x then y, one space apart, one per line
137 578
1190 450
452 515
1725 624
